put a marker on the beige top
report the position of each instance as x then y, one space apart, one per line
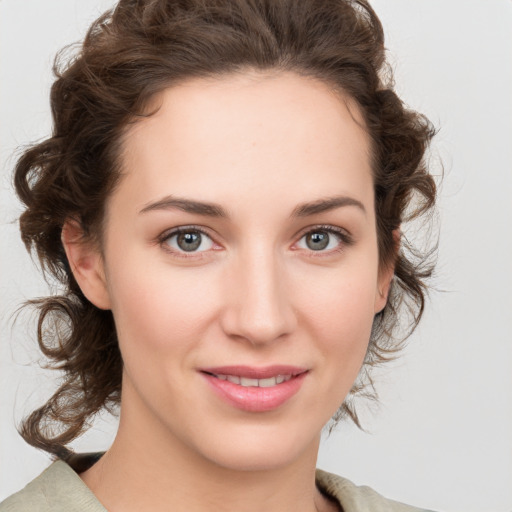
60 489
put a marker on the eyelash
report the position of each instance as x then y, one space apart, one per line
345 239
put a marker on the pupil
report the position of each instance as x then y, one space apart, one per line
318 240
189 241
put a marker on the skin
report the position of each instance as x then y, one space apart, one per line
255 293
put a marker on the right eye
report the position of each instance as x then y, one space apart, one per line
187 240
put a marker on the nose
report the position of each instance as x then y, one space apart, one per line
259 302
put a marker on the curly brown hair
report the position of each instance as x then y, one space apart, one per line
135 51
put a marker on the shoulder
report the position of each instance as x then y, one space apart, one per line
57 489
354 498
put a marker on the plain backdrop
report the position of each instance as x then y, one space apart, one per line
442 436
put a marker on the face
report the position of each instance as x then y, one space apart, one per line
240 263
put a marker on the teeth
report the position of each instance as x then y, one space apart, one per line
248 382
262 383
268 383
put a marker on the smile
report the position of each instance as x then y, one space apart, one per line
255 389
259 383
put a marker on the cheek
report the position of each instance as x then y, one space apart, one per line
344 301
340 315
346 330
160 320
157 305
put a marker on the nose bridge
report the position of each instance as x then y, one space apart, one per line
260 309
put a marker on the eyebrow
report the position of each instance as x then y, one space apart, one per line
187 205
216 210
324 205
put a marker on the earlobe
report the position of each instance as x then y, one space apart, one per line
86 263
386 275
384 286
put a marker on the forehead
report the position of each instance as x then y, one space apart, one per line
278 135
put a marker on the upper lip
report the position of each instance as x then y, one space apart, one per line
253 372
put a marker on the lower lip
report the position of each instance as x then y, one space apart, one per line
256 399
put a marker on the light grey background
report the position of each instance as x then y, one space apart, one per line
442 437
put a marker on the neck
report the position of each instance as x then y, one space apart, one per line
158 472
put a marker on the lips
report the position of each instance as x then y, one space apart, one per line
260 383
255 389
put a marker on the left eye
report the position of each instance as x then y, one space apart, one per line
189 240
320 240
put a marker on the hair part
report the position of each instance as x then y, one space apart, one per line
129 55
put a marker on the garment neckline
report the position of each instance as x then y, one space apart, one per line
80 462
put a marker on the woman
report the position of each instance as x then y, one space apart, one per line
222 198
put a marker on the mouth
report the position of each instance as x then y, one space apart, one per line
256 383
255 389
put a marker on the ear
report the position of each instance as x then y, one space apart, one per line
386 274
86 263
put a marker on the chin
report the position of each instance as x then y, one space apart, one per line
259 451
